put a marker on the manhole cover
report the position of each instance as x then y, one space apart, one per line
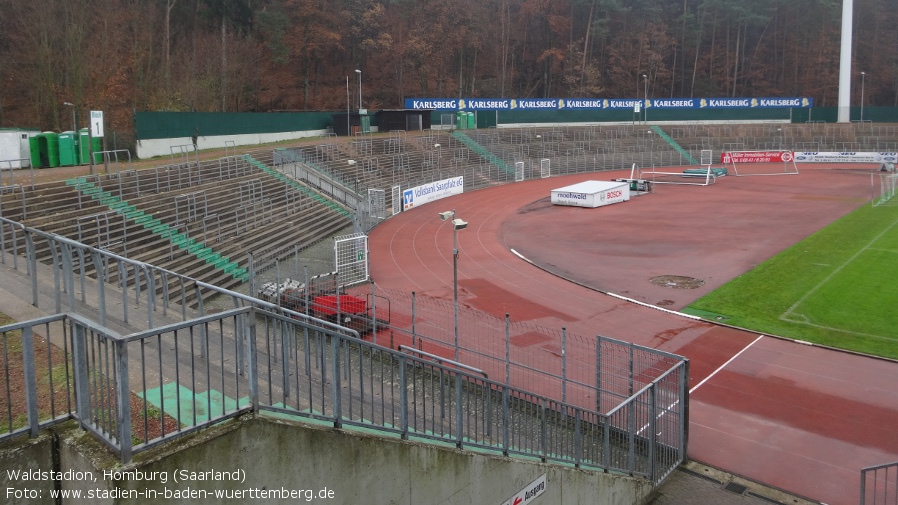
677 282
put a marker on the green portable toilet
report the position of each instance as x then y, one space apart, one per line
472 123
43 152
97 147
68 153
83 146
461 120
34 147
365 123
52 149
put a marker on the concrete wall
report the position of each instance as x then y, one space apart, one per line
20 456
253 456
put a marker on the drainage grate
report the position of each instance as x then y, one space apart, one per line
735 488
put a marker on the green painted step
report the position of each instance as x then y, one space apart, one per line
673 143
283 178
483 152
188 407
159 228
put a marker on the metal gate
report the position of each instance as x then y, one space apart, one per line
545 168
519 171
396 191
707 158
377 203
351 254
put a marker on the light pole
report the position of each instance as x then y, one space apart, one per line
74 124
457 224
645 95
863 78
360 88
348 131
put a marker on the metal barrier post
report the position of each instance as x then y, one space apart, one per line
123 398
335 381
683 435
598 373
564 364
32 263
28 369
249 338
459 437
652 435
413 319
403 398
505 421
80 374
507 349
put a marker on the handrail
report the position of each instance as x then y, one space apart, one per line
441 359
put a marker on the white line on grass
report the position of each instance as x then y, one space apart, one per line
725 364
785 315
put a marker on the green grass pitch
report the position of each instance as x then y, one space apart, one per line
838 287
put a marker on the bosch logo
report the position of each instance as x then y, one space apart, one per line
602 197
613 194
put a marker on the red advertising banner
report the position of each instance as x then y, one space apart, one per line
756 157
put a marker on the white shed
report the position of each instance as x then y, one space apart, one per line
14 149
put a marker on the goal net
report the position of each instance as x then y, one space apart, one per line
769 162
887 186
702 176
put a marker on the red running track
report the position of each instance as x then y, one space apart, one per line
800 418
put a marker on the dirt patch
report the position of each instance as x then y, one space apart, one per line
677 282
56 390
540 204
497 301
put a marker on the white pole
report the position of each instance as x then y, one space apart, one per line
845 62
863 76
360 87
348 130
646 95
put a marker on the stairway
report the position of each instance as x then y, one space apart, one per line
673 143
159 228
483 152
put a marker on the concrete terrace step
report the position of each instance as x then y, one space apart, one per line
180 240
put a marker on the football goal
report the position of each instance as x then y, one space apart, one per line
769 162
887 186
702 176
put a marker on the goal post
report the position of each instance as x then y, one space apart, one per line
766 162
704 176
888 183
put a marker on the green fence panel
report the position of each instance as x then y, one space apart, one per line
163 125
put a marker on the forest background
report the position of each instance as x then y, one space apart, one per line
123 56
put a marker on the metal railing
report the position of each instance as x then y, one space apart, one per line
638 427
136 391
879 485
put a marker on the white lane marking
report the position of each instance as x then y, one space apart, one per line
725 364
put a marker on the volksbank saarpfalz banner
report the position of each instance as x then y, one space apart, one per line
419 195
604 103
868 157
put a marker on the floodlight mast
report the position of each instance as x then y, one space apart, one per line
360 88
457 224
